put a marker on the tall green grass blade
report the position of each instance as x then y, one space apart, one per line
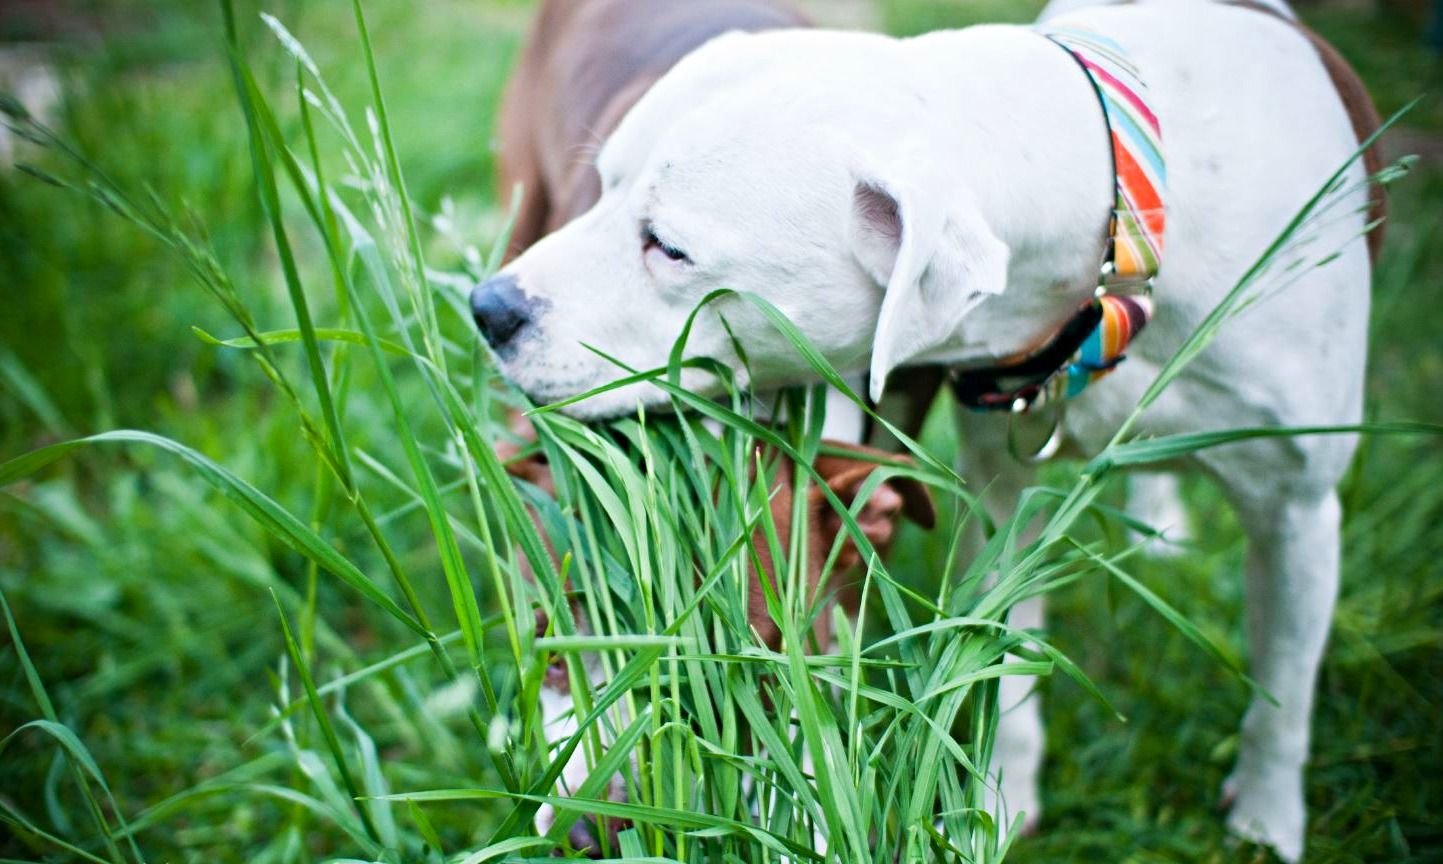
1151 450
328 730
76 754
505 848
276 520
1178 621
29 391
636 812
425 303
23 826
283 337
463 597
261 160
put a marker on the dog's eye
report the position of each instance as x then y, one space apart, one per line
650 241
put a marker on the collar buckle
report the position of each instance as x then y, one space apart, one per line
1094 341
1109 281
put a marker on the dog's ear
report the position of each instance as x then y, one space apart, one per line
937 258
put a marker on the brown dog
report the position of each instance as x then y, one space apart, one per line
586 63
845 476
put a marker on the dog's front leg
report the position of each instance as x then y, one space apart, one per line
1017 752
559 724
1292 586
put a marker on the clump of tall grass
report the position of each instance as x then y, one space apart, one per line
729 750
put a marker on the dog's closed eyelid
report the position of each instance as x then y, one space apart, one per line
651 239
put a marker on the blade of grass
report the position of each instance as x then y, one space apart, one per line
328 731
276 520
76 754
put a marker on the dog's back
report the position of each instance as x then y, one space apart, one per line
1351 90
1061 7
1361 113
585 65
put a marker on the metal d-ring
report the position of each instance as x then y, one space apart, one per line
1050 448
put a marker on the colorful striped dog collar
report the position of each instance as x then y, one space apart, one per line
1095 340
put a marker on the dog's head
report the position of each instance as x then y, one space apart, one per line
750 167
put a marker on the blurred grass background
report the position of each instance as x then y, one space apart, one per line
142 596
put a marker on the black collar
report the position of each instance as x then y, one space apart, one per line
1016 386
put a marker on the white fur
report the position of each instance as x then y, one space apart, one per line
1155 499
758 152
1058 8
558 718
561 723
28 74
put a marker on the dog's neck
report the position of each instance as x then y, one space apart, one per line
1019 130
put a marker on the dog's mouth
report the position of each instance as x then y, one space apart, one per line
579 399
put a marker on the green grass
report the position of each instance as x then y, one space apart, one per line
909 17
146 583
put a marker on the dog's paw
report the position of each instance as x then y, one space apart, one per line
1267 808
545 818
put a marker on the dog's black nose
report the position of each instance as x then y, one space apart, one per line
500 309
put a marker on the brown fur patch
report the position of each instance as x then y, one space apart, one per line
585 65
899 497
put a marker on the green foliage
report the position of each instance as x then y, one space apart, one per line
330 460
910 17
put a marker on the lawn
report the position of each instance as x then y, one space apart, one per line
172 630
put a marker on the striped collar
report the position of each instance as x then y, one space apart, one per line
1094 341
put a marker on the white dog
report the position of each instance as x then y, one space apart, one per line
945 200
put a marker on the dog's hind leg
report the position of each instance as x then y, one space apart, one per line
1292 586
